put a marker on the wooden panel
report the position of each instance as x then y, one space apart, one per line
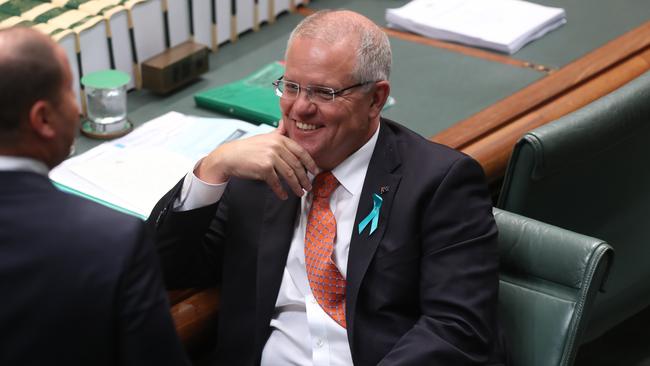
195 317
176 296
493 150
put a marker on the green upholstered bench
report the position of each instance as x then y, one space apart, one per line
549 278
589 172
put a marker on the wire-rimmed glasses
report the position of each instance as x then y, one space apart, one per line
316 94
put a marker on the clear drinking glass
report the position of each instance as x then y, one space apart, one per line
106 100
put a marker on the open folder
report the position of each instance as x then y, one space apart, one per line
132 173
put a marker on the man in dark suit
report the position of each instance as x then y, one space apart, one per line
80 283
387 252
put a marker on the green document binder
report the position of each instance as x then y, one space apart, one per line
252 99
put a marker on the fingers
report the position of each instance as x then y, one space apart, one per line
291 163
273 181
292 170
302 154
272 158
297 150
289 174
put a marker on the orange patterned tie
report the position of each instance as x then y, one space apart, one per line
326 282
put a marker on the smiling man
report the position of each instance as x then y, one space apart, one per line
341 238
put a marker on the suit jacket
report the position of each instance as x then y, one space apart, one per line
421 290
80 283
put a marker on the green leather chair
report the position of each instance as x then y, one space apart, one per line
548 281
589 172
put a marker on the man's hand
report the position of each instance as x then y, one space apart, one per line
264 157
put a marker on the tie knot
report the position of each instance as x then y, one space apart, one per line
324 184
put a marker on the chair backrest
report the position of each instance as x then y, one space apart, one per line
548 281
589 172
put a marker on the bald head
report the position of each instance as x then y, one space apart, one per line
373 54
31 71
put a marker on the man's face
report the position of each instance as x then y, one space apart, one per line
66 113
330 132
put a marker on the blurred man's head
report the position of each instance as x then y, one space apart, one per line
347 54
39 115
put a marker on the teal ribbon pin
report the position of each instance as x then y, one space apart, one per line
373 215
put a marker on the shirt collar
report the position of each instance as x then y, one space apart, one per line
352 171
19 163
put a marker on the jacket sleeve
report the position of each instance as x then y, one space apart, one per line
189 243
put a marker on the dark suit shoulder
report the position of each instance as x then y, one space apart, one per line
58 221
419 153
103 221
95 270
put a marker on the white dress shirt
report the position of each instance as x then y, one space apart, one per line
302 333
18 163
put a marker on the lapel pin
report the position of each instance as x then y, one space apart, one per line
384 189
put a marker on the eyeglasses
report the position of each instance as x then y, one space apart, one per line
316 94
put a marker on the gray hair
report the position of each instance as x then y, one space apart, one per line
373 53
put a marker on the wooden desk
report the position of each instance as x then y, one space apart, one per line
489 135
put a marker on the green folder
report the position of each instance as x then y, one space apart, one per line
252 99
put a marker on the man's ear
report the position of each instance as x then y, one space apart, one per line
379 97
40 119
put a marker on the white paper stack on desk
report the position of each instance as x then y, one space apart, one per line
500 25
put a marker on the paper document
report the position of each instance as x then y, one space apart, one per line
132 173
501 25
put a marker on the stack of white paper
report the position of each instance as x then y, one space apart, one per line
501 25
133 172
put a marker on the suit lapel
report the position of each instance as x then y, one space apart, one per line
274 242
381 174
